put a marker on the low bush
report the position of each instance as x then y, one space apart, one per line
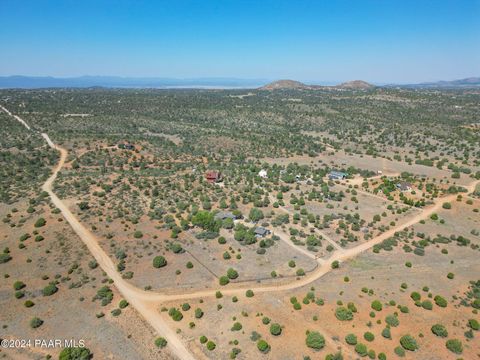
351 339
376 305
439 330
454 345
160 342
36 322
369 336
263 346
275 329
343 314
159 261
315 340
408 343
361 349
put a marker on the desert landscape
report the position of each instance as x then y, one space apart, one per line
285 222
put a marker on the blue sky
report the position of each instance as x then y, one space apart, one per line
379 41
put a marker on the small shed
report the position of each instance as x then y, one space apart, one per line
260 231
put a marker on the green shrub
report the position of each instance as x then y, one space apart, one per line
335 264
392 320
336 356
203 339
408 343
159 261
351 339
454 345
343 314
123 304
36 322
223 280
439 330
236 327
105 295
263 346
116 312
249 293
211 345
232 273
473 324
386 333
75 353
29 303
40 222
275 329
19 285
369 336
427 305
175 314
361 349
160 342
198 313
315 340
415 296
50 289
265 320
440 301
185 306
399 351
4 258
376 305
137 234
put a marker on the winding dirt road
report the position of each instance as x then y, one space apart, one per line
147 302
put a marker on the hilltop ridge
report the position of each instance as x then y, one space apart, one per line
293 84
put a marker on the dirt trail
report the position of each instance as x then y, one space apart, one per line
146 302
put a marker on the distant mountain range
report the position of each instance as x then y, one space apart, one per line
470 82
32 82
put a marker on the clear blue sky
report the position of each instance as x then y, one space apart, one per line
378 41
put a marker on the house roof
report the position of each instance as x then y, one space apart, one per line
337 173
404 185
261 230
222 215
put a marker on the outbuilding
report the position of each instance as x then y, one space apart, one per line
213 176
260 231
337 175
